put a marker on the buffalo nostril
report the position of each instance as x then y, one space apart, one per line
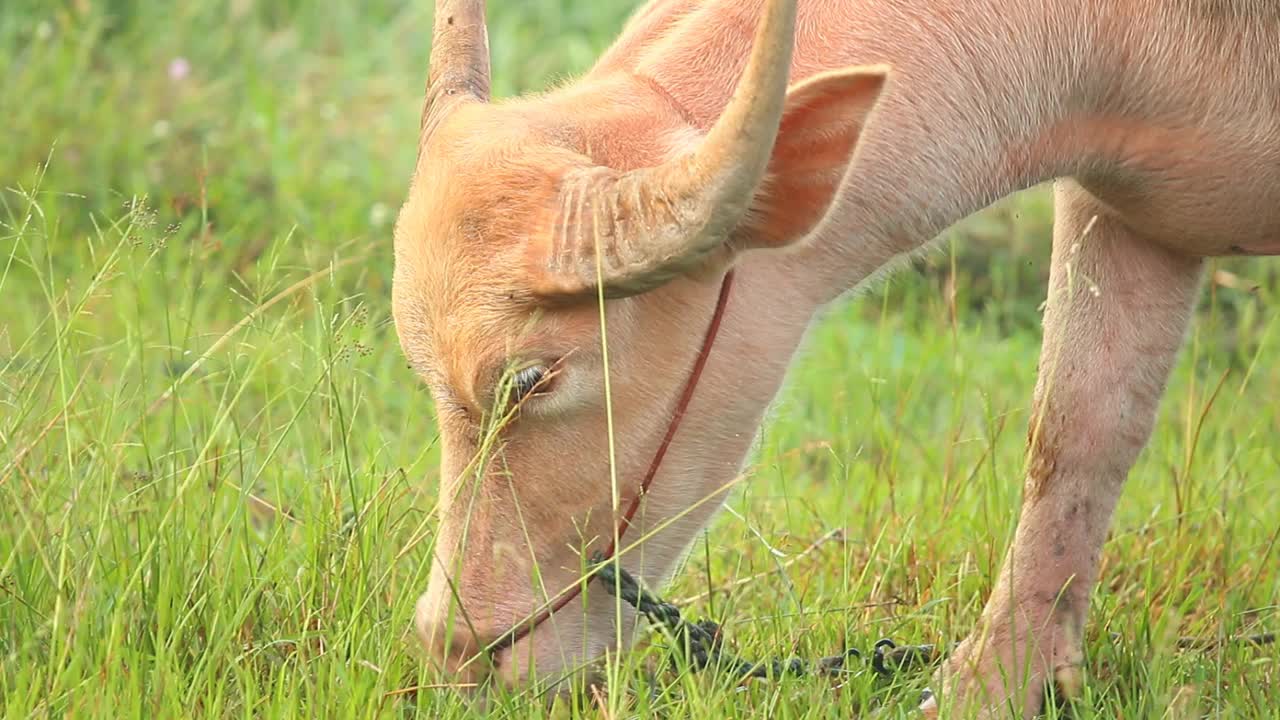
459 657
453 645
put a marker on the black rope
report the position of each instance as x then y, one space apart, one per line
702 642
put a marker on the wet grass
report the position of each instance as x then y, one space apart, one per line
218 471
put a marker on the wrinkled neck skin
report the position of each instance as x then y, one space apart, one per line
955 141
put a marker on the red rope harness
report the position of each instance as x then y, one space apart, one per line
511 637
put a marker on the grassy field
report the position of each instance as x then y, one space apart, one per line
217 471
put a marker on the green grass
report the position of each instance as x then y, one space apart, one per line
194 321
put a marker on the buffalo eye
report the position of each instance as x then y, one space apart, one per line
529 381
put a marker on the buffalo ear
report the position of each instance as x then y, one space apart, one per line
822 119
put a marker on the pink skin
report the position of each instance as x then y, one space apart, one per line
1162 116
